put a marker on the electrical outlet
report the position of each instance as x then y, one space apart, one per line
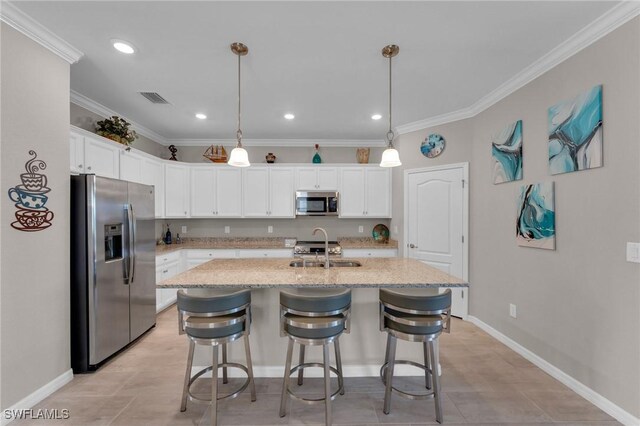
270 229
361 229
227 229
184 229
633 252
395 229
512 311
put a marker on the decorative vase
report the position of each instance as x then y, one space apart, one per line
362 155
316 158
270 158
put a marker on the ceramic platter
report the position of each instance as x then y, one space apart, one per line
380 233
433 145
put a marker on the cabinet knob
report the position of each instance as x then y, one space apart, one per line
89 168
79 166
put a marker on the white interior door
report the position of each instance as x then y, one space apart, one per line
436 216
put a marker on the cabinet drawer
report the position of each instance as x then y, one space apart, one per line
163 259
370 252
211 254
270 253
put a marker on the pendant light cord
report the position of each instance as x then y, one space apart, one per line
239 131
390 134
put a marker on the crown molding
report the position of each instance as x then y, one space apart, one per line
28 26
603 25
294 143
103 111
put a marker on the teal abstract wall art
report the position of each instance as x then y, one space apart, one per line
536 219
575 133
506 150
433 145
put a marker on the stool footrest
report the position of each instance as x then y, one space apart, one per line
404 394
314 400
231 395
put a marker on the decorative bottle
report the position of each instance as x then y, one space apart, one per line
167 236
316 158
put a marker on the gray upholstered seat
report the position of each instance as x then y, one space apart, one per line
419 299
315 299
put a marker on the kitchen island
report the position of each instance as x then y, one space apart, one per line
362 349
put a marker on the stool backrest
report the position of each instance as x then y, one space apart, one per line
213 306
427 305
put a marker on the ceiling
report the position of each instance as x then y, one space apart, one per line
318 60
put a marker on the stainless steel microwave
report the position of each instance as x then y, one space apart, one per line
315 203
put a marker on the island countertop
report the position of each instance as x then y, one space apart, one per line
276 273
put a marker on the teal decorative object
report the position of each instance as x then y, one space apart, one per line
316 158
380 233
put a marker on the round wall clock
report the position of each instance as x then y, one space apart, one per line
432 146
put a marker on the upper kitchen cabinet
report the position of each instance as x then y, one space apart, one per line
215 191
131 166
93 154
268 192
316 178
365 192
146 169
176 190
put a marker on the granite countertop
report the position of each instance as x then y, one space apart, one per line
276 273
264 243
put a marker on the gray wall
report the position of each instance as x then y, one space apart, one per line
578 306
85 119
35 265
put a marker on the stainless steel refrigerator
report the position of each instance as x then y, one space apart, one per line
113 289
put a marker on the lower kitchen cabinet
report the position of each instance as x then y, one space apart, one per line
370 252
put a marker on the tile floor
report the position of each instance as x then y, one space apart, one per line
483 382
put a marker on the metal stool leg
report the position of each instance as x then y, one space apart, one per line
300 362
336 346
225 379
327 384
187 376
285 383
386 352
428 367
252 383
433 349
392 360
214 387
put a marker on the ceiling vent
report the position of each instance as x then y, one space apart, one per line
154 98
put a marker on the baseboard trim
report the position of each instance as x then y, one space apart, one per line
38 395
348 371
581 389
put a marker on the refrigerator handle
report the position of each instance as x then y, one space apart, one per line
132 242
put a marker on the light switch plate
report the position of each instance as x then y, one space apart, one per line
270 229
184 229
512 311
361 229
227 229
633 252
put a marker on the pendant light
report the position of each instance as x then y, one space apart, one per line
390 157
239 156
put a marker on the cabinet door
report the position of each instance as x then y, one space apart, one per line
101 158
378 193
131 167
327 179
306 178
352 194
76 153
282 194
202 192
176 190
228 192
255 192
153 174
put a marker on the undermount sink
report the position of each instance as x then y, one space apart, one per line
320 264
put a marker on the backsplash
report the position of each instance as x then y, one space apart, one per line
300 227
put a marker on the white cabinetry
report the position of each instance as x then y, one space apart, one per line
76 153
365 192
216 191
198 257
387 252
153 174
131 167
101 157
167 266
264 254
268 192
316 179
176 190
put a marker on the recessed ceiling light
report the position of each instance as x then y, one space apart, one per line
376 117
201 116
123 46
289 116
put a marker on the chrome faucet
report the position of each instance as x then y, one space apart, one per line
326 246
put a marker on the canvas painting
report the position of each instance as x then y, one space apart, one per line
536 221
575 133
506 150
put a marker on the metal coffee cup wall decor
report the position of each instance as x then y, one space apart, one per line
433 145
31 213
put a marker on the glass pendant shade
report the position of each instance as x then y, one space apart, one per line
390 158
239 157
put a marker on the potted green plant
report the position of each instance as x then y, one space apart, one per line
116 129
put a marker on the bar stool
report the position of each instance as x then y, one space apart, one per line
314 317
414 315
219 318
